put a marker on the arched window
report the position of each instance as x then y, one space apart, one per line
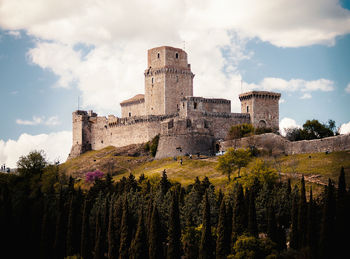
177 55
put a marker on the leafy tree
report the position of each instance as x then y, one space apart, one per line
32 164
312 129
206 249
252 247
232 160
190 242
154 145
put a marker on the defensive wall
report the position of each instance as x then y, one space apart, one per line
277 144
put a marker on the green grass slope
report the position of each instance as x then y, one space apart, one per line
317 168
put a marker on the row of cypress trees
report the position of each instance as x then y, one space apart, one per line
144 219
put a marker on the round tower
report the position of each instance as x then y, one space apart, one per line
263 108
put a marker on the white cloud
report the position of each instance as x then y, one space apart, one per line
56 146
15 34
51 121
344 128
279 84
347 89
282 101
113 69
306 96
287 123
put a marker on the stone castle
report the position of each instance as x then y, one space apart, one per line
185 124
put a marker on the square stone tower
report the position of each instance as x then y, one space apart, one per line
168 79
263 108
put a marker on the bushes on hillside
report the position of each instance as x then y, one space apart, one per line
246 130
152 146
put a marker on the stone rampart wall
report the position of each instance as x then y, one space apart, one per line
277 144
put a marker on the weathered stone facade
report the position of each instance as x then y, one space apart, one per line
186 124
278 145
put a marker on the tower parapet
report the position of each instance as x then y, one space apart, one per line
263 108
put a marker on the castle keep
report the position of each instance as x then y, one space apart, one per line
186 124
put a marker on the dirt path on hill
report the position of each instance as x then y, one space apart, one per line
313 178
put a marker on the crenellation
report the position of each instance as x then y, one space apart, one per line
168 108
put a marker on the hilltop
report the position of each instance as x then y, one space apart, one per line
120 162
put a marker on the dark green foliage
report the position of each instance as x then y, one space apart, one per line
139 248
239 214
302 216
293 239
312 129
155 240
312 229
328 223
125 232
154 145
221 241
32 164
342 216
57 220
272 231
252 223
206 249
240 131
174 233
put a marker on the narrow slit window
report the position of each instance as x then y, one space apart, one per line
158 55
152 80
177 55
195 106
129 114
247 109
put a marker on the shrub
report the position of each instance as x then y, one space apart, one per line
154 145
93 176
240 131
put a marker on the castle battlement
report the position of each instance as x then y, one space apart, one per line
185 123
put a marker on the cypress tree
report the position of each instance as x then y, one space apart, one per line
155 244
112 253
239 215
228 228
221 249
139 248
206 249
328 223
164 183
125 234
342 215
70 230
98 250
174 234
312 227
60 228
294 224
252 223
85 242
272 231
302 216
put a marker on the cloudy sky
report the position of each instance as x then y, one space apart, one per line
53 52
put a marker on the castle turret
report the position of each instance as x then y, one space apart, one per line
168 79
263 108
81 132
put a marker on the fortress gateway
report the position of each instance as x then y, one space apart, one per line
186 124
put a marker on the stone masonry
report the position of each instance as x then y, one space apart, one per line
186 124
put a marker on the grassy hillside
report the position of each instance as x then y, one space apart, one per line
317 168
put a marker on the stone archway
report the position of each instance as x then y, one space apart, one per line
262 124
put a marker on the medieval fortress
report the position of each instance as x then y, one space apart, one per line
185 123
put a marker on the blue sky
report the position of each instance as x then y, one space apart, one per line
53 51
